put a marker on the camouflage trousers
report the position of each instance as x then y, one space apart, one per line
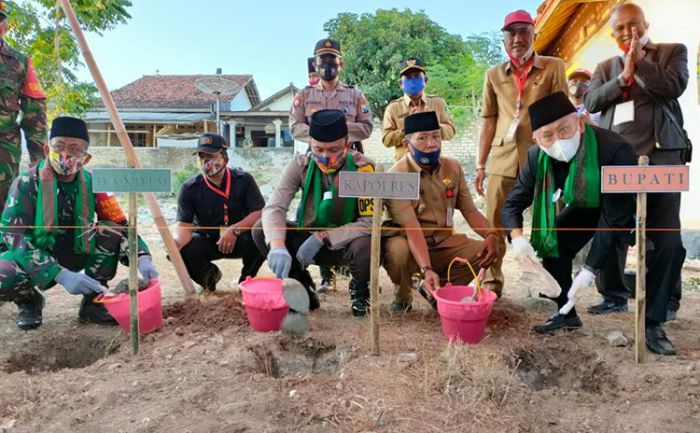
16 283
8 173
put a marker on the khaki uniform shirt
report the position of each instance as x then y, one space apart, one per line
347 99
274 214
546 76
398 109
433 209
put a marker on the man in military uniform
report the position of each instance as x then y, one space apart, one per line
413 81
217 197
429 242
331 94
49 232
21 97
330 230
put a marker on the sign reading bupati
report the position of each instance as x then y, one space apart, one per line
396 186
645 178
131 180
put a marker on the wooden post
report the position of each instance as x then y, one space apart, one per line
374 273
158 218
640 349
133 275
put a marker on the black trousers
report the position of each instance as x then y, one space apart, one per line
199 253
356 255
665 257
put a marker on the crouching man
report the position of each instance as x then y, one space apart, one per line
49 233
329 230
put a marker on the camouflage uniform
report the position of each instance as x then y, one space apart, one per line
20 92
23 265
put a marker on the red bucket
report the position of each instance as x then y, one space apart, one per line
150 308
264 303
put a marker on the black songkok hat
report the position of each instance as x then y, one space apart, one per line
69 127
424 121
328 125
310 64
549 109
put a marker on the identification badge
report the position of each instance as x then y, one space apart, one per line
556 195
328 195
624 113
450 216
512 129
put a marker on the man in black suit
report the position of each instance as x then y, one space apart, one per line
631 92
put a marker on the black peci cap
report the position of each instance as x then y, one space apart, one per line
69 127
328 125
424 121
549 109
311 64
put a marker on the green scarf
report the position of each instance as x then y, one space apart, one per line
46 214
581 189
329 213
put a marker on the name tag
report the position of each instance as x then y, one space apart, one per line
512 129
624 113
450 216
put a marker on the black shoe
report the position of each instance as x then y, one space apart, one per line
91 312
558 321
607 307
213 276
359 296
327 280
671 315
401 307
29 315
305 279
657 341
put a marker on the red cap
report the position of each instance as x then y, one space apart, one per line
519 16
580 71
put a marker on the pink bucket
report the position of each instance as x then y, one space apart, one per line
464 321
264 303
150 308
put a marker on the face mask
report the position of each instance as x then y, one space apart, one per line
426 158
328 71
577 90
413 86
329 164
521 61
313 81
642 41
564 150
212 166
66 165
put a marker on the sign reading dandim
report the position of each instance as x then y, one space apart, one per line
131 180
645 178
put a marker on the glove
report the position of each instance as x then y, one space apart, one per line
308 251
523 249
146 268
77 283
582 280
280 262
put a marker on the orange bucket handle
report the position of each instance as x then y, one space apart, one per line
466 262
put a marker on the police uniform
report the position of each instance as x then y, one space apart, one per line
349 100
398 109
20 93
210 207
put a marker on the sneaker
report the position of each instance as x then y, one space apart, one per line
359 297
91 312
29 315
400 307
213 276
557 322
606 307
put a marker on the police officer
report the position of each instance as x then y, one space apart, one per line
413 81
428 243
215 211
21 98
347 240
48 235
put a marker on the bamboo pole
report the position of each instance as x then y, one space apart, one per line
640 301
374 274
158 218
133 276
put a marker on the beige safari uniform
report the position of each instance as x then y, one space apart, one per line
398 109
500 94
433 210
347 99
274 214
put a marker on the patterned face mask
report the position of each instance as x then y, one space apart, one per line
212 166
329 164
65 164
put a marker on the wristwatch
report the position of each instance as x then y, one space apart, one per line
423 270
480 167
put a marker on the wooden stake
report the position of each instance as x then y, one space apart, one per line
640 350
133 275
374 274
120 129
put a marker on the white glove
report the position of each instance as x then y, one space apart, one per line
582 280
522 248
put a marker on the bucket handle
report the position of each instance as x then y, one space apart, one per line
466 262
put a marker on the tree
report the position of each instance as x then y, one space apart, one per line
38 28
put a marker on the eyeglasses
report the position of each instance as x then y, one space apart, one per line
563 132
71 149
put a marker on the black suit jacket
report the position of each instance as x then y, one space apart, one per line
664 70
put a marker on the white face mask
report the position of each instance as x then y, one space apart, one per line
564 150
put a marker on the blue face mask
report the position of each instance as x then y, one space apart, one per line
413 86
426 158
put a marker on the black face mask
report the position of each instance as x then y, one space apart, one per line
578 90
328 71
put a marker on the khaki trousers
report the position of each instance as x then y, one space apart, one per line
496 191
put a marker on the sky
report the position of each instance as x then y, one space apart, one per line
268 39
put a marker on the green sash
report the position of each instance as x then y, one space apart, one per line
335 212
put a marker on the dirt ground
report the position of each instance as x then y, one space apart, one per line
206 371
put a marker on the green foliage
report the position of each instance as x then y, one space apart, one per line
180 177
39 29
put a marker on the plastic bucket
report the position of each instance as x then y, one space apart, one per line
264 303
150 308
464 321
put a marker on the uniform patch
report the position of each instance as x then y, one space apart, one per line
363 105
32 86
107 208
365 206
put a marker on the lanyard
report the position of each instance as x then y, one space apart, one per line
520 83
224 194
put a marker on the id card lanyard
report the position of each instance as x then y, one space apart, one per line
520 83
224 194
